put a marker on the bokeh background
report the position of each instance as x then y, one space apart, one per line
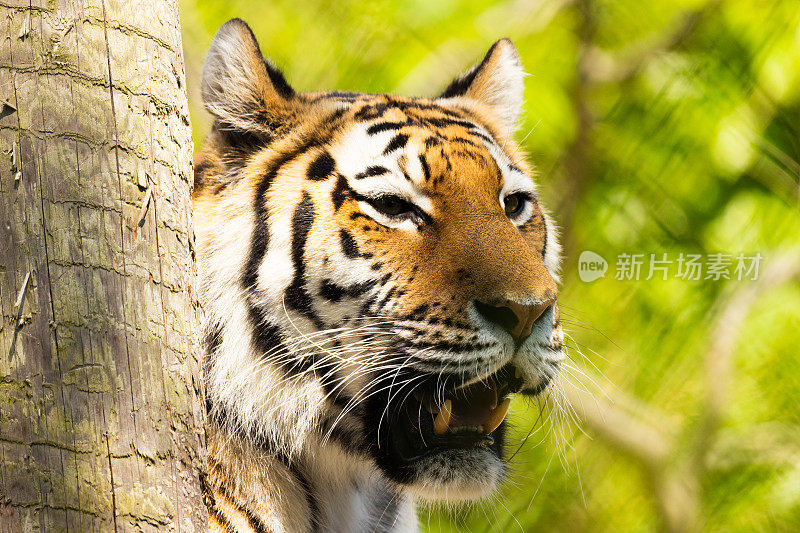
657 127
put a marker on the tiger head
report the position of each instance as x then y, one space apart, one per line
377 271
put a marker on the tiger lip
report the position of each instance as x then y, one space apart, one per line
471 409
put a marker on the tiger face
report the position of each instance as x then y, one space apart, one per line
377 271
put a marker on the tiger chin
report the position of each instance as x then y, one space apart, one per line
378 278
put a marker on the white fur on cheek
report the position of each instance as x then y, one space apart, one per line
552 255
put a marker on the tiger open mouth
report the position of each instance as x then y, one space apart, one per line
436 419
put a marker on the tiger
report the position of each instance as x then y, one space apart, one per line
378 278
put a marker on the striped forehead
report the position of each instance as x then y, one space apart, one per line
415 154
366 152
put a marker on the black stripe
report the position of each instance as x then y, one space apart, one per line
349 245
339 192
398 142
385 126
447 346
297 296
259 241
267 338
425 169
375 170
211 504
335 292
484 137
331 291
252 519
322 167
444 122
464 140
368 304
418 313
371 111
336 115
432 141
416 105
544 244
380 305
337 95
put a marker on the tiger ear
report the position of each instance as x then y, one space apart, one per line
496 82
245 92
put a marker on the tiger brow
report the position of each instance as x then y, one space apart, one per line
397 142
371 171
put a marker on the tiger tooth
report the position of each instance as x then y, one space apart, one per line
517 373
496 417
442 421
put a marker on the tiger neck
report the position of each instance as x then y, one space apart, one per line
259 487
271 467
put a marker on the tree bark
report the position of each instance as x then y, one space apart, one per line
100 421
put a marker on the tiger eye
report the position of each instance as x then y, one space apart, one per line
514 203
391 205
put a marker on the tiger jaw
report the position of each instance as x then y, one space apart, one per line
446 442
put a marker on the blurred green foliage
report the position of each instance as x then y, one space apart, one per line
656 127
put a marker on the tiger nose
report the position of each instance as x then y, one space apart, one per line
515 318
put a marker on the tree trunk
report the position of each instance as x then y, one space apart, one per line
100 421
